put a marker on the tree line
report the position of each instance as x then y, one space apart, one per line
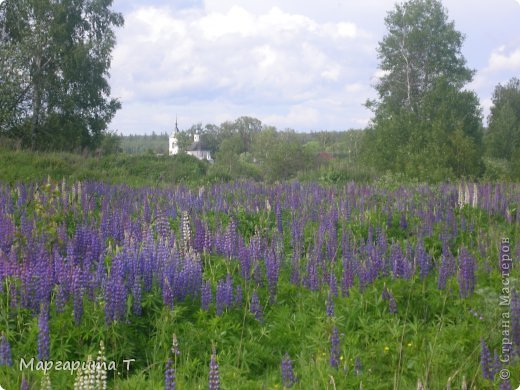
426 124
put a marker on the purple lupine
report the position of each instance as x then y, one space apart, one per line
334 348
272 269
288 378
205 295
330 305
77 289
43 334
24 385
423 259
392 304
466 273
214 379
5 352
169 376
255 307
485 360
244 257
238 296
137 295
224 295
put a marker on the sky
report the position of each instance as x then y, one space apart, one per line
306 65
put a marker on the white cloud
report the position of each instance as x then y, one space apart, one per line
275 64
501 60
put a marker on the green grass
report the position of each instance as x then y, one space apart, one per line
133 170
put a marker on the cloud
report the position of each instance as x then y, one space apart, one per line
502 60
273 63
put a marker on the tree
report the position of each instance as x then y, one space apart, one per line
280 155
423 117
62 50
421 46
503 136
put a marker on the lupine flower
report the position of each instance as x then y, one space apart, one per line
43 334
24 385
205 296
485 360
175 351
466 273
392 304
5 352
288 378
334 348
101 373
238 296
169 376
330 305
214 379
255 307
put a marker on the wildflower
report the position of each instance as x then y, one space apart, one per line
288 377
334 348
466 273
255 307
5 352
330 306
101 373
43 334
214 381
169 376
485 360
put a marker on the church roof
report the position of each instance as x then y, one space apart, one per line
198 145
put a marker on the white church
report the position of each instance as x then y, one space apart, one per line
197 149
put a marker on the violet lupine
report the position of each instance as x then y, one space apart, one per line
334 348
392 304
238 296
43 334
423 259
485 360
137 295
255 307
169 376
77 289
205 295
288 378
330 305
466 273
6 358
24 385
272 269
214 379
224 295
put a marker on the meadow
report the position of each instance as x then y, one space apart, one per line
254 286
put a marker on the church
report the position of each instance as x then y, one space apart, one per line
197 149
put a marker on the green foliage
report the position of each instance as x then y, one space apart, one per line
503 135
56 95
135 170
425 125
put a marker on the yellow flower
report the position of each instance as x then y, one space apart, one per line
386 348
341 358
409 344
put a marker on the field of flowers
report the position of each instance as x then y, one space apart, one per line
251 286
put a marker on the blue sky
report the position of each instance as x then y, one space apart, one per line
305 65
